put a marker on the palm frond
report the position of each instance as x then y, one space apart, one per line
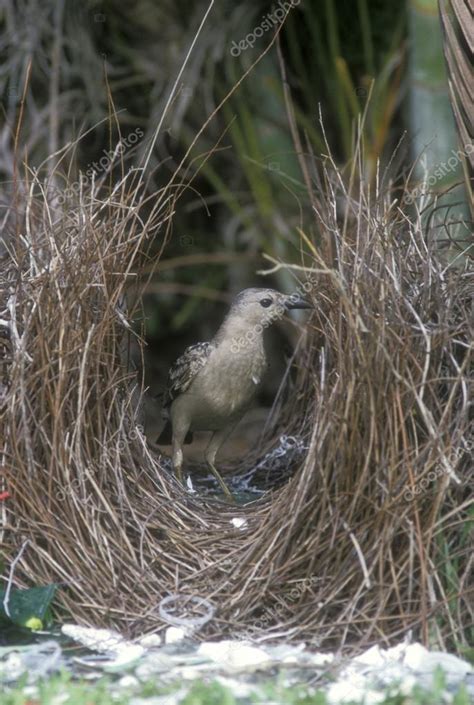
458 39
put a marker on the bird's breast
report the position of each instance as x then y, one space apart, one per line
225 387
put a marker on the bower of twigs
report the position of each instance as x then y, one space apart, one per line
367 538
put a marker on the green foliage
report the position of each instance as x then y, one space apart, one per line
202 693
63 688
60 687
335 55
454 550
29 608
342 72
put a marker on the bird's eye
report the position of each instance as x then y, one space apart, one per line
266 303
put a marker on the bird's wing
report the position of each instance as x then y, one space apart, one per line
185 369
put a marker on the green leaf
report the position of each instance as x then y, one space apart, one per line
26 607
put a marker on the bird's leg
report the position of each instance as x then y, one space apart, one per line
224 487
217 439
179 434
178 464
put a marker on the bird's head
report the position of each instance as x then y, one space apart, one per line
262 307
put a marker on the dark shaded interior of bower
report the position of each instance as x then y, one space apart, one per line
265 467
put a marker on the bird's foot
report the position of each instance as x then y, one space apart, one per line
228 494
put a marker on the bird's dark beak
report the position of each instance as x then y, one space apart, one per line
295 301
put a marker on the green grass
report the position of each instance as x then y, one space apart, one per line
63 689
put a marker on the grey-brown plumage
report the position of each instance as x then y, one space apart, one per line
211 386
